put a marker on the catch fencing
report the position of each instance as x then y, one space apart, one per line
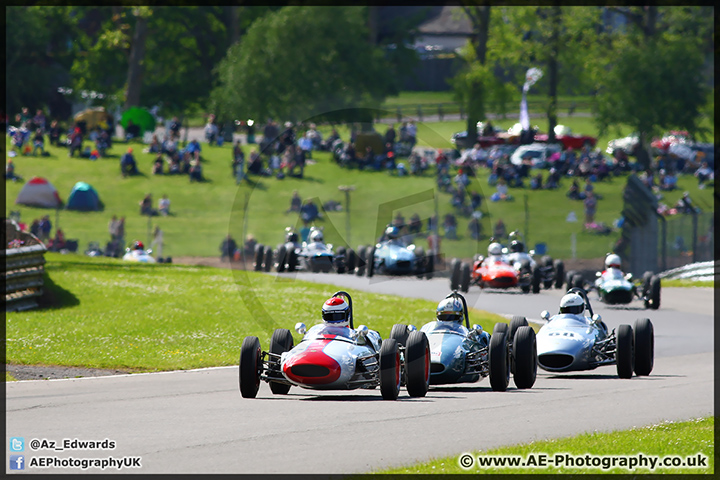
693 271
24 257
689 239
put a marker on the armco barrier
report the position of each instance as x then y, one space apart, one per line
24 268
693 271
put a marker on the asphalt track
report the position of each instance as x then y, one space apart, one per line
196 421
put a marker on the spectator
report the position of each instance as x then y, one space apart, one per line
461 179
488 130
132 131
227 248
58 243
194 149
211 130
10 171
249 246
412 133
415 224
704 174
399 220
113 227
146 206
102 143
298 163
157 241
368 159
164 205
55 133
295 202
255 167
536 182
158 165
590 203
475 200
450 226
458 198
314 136
432 223
155 146
195 170
306 145
330 141
169 145
128 165
45 228
502 192
574 192
174 127
76 140
499 230
121 232
475 227
185 162
174 164
35 227
38 142
309 212
238 163
553 179
39 121
390 135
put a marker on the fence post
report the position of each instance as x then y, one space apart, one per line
440 112
462 112
399 115
694 236
420 114
663 237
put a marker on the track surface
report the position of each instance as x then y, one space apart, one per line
196 421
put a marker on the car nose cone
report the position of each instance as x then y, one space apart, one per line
312 367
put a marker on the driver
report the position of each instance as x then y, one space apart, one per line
336 312
138 246
612 267
392 232
336 315
495 254
316 236
450 310
572 304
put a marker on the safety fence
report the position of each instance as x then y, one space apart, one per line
693 271
24 257
689 239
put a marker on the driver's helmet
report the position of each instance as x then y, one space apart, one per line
138 246
336 312
572 303
612 261
450 310
392 232
495 249
316 236
517 246
291 236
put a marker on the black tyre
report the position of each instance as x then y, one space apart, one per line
419 262
292 260
465 277
499 368
268 262
389 369
370 259
429 266
624 354
654 293
569 279
500 327
577 281
524 357
360 267
250 366
559 273
350 260
546 261
281 260
400 333
516 322
417 364
455 274
259 257
536 279
646 283
281 341
644 346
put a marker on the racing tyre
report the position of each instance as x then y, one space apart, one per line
340 266
465 277
499 371
559 273
569 279
259 254
389 369
646 283
268 259
250 366
370 259
420 262
455 274
360 266
524 353
280 342
429 266
281 254
577 281
536 279
546 261
350 260
654 293
292 260
517 322
644 347
500 327
400 333
624 351
417 364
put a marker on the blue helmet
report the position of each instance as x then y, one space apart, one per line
450 310
392 232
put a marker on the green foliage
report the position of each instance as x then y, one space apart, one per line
297 63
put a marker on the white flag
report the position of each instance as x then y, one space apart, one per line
532 76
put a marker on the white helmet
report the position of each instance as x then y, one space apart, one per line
495 249
612 261
572 303
316 235
336 312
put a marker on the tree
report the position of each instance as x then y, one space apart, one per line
279 70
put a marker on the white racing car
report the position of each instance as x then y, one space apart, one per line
138 254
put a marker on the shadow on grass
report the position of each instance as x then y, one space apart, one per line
55 297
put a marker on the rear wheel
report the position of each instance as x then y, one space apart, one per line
340 266
419 262
577 281
389 369
536 279
250 366
654 293
499 371
569 279
281 260
350 260
646 283
292 260
268 262
281 341
546 261
465 277
500 327
417 364
429 266
360 267
644 346
524 357
259 257
624 354
517 322
559 273
455 274
370 261
400 333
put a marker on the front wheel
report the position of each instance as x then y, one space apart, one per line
292 260
361 261
524 357
499 371
624 354
350 260
370 261
644 347
250 367
654 293
389 369
577 281
417 364
455 274
280 342
400 333
259 257
465 277
536 279
267 265
429 266
559 273
569 279
517 322
281 259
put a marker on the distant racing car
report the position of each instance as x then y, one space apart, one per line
393 255
138 254
313 256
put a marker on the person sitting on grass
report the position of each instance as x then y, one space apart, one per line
38 142
158 165
195 170
132 131
450 226
502 192
295 203
128 165
146 206
164 205
309 212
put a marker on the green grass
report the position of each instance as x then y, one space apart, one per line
688 283
9 378
203 213
113 314
684 439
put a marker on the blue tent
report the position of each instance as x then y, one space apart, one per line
83 197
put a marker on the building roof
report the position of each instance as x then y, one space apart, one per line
451 20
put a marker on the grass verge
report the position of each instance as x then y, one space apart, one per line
688 283
682 439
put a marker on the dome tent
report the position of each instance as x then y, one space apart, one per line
38 192
83 197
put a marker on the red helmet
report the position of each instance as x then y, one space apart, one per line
336 311
138 246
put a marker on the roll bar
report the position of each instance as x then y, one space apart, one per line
342 293
455 294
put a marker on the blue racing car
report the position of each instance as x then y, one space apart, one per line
394 255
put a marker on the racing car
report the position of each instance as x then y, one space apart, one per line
312 256
463 354
616 288
336 356
572 341
394 255
138 254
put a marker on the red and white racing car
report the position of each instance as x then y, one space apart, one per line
336 357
